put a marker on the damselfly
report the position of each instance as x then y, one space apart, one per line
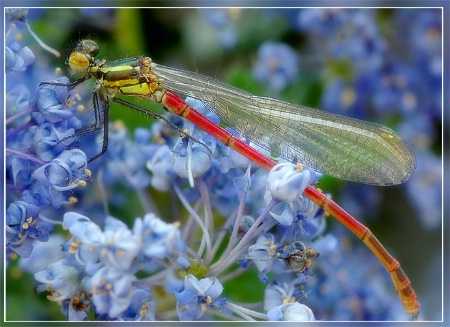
343 147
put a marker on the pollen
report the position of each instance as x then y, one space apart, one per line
158 139
73 200
73 247
298 167
185 133
118 125
70 102
273 249
348 97
143 312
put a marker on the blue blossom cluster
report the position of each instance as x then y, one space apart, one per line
235 219
41 166
221 19
100 270
394 74
385 64
99 267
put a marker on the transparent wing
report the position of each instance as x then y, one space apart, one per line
335 145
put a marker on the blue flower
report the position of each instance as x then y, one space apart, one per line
157 238
222 20
161 165
425 189
243 183
361 293
187 159
276 294
62 280
84 248
17 57
193 159
343 98
112 291
324 22
44 253
54 115
17 104
277 65
76 308
120 246
197 295
20 15
190 159
48 141
326 244
82 228
127 159
286 181
19 60
422 32
264 254
291 312
172 282
23 226
63 173
141 308
49 102
282 212
347 35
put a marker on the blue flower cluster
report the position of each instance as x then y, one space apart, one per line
394 74
231 217
41 165
100 266
222 21
100 270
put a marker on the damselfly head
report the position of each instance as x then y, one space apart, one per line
82 56
88 47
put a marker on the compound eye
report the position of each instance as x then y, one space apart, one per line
90 47
78 62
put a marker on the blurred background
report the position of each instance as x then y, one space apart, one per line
382 65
